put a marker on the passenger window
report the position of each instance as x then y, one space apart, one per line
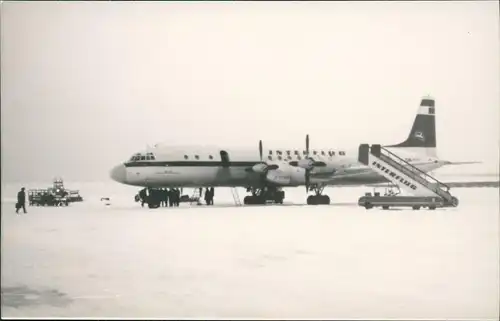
153 157
210 157
196 157
279 157
278 152
143 157
314 152
270 152
323 153
270 157
296 152
342 153
185 156
288 152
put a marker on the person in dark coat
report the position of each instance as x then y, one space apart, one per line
21 201
170 197
165 197
178 197
207 196
142 195
212 196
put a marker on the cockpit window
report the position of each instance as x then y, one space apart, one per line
142 157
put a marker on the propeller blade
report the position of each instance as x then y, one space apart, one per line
307 144
272 167
260 149
319 164
307 180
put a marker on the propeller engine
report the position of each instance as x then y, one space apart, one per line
308 163
262 167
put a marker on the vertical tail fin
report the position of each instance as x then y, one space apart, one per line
422 137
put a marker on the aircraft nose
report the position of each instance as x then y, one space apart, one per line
119 174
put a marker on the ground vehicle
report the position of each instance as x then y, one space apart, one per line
56 195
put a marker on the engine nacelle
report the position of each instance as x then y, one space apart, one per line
259 168
305 163
287 176
264 167
328 168
278 177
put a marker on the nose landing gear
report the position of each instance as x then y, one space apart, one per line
318 198
264 195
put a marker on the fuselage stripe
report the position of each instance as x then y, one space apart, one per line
189 164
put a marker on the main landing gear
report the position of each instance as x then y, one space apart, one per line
264 195
318 198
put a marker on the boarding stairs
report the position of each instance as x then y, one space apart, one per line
236 196
403 174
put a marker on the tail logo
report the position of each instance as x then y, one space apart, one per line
419 136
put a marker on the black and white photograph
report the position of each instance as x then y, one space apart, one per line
250 159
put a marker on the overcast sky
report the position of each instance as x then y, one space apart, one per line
84 85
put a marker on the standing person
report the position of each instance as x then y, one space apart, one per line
178 197
171 197
21 201
165 197
142 195
207 196
211 200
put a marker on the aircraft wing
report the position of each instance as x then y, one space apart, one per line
463 163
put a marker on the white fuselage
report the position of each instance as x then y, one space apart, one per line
191 166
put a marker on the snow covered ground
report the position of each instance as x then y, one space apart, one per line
339 261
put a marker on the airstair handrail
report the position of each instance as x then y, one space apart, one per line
433 187
413 168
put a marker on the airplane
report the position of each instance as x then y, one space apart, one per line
266 171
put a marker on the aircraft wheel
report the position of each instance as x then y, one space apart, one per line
368 205
318 199
416 207
250 200
278 199
454 201
385 207
151 205
281 197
